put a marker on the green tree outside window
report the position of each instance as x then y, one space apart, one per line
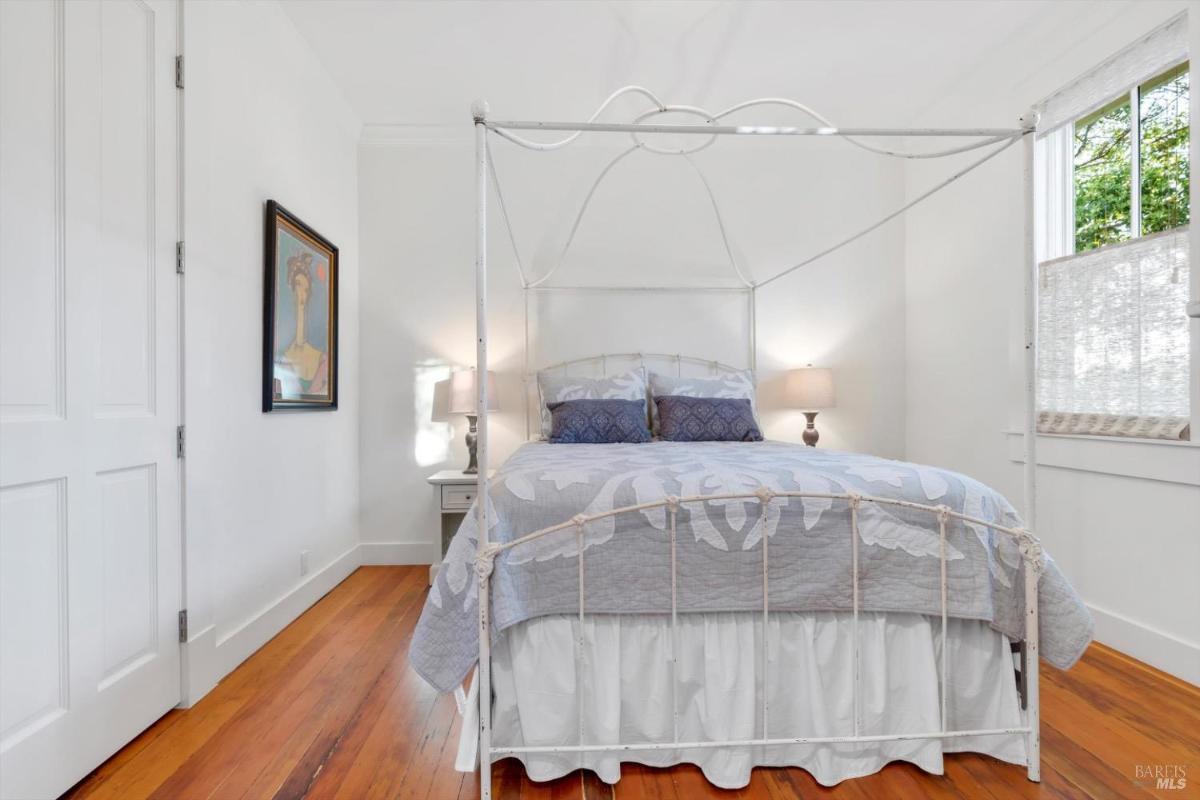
1165 172
1103 164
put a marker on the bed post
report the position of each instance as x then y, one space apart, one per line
1029 124
752 291
526 399
1031 550
479 111
1033 561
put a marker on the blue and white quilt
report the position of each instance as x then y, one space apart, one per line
719 545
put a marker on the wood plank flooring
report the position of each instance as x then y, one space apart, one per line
329 709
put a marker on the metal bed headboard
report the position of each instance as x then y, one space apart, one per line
669 361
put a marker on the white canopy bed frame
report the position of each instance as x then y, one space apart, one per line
477 705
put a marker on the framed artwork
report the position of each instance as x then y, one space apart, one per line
300 315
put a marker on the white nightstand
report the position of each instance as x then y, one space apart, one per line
455 492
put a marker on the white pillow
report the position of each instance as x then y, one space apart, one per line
728 384
555 386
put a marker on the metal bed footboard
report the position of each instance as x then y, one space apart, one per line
1032 564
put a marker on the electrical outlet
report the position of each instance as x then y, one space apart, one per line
303 563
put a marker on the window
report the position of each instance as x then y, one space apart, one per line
1164 151
1113 277
1103 177
1131 174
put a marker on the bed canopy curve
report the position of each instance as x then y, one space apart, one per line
711 131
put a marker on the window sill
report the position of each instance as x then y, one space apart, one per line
1164 460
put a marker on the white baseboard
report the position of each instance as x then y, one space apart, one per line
239 644
1158 649
208 658
199 666
400 553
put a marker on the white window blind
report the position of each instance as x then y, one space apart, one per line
1162 48
1113 334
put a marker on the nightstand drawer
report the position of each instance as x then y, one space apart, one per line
457 498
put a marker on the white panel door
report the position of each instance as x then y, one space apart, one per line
90 566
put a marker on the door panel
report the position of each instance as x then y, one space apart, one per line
31 222
33 608
89 483
127 208
128 538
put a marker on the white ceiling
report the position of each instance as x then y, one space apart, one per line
859 61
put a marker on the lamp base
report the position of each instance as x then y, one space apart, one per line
472 444
810 431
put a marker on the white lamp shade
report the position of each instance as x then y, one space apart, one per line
441 401
463 394
810 388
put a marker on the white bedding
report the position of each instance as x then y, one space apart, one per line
627 691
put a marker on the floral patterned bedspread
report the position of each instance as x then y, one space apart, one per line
719 545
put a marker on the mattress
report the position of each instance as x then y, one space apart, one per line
628 696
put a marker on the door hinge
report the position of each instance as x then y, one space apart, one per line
178 72
183 631
179 442
179 257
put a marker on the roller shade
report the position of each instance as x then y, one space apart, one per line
1157 51
1113 330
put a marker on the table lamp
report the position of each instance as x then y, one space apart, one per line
810 388
464 400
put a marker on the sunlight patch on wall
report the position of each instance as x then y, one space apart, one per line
431 383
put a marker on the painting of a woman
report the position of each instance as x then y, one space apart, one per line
301 315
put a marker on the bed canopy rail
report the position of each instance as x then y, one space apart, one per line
826 128
712 127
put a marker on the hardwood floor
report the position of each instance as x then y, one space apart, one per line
330 709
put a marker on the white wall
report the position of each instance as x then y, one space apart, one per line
263 120
649 222
1129 542
418 317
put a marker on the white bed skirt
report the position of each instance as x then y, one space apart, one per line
628 695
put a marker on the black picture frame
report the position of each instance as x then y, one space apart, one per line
290 373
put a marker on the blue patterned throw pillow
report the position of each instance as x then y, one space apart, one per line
707 419
598 421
